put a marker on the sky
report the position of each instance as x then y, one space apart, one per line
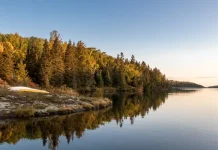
180 37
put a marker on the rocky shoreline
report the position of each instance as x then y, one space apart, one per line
14 104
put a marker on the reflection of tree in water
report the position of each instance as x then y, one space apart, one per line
49 129
184 90
131 106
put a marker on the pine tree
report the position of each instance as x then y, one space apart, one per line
70 66
122 77
106 78
21 75
57 78
33 56
132 59
45 65
86 66
98 79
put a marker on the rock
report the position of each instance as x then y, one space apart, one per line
4 99
3 105
53 108
11 96
49 104
48 96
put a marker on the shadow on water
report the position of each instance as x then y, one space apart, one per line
49 129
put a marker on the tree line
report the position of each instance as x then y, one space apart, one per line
54 63
184 84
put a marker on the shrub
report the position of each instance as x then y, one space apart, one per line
2 82
32 84
63 90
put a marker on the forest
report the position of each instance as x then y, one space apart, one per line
184 84
33 61
215 86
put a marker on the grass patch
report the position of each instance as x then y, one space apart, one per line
24 111
39 106
87 106
63 90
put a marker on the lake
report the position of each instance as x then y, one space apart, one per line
179 120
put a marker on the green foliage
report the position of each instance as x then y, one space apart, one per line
33 56
21 74
57 78
184 84
106 77
70 66
45 66
99 79
55 63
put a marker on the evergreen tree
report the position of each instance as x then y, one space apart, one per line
45 65
86 66
132 59
70 66
106 78
21 74
33 56
57 78
98 79
122 72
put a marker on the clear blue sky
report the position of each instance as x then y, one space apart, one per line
180 37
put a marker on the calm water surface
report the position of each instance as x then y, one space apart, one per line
185 120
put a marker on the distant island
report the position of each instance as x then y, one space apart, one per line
173 83
215 86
